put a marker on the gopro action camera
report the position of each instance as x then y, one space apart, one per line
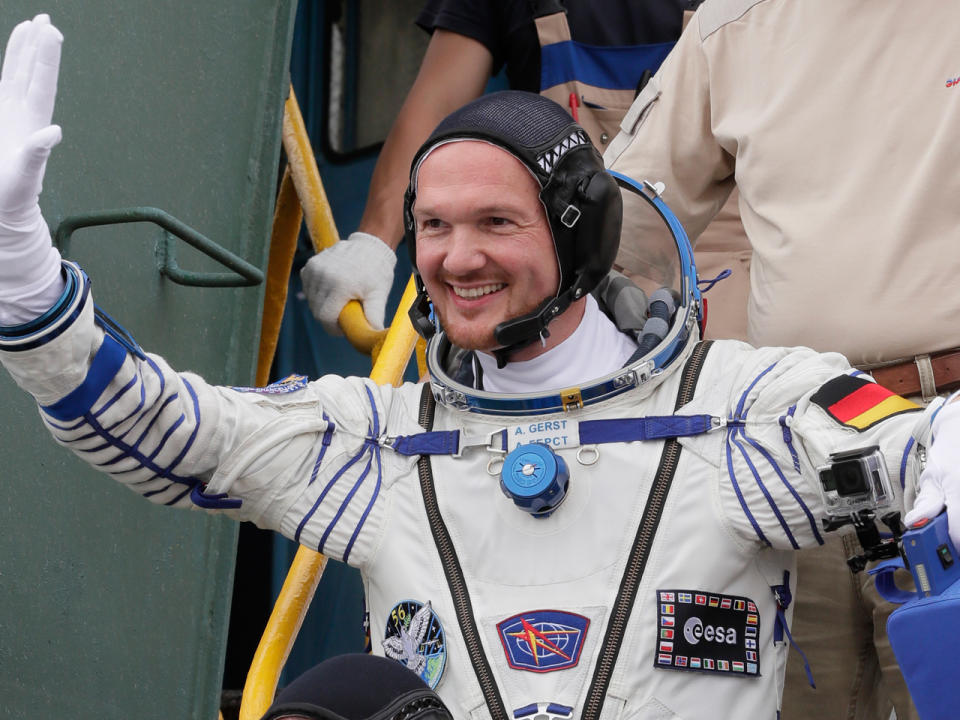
854 481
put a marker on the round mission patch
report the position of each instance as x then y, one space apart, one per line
414 636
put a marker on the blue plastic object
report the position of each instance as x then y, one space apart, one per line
925 632
931 556
535 478
925 636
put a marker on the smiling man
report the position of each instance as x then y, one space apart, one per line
482 236
586 513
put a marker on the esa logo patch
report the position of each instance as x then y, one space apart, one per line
414 637
697 630
289 384
543 640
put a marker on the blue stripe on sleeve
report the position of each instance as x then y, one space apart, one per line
106 364
171 429
736 488
376 489
369 446
345 503
743 398
179 497
151 493
324 444
323 493
193 435
366 511
903 463
376 416
788 436
786 483
67 428
153 366
116 396
766 493
134 412
153 420
126 451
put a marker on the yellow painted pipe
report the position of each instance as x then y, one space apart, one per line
282 627
319 219
399 342
287 218
306 176
304 574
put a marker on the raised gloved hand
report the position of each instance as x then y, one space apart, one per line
358 268
30 280
939 485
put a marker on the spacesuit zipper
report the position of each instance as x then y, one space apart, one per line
454 573
629 584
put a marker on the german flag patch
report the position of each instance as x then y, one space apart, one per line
858 403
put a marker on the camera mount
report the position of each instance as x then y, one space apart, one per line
875 546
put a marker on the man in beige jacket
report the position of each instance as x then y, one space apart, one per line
836 120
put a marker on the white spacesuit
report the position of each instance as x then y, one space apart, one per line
618 549
315 461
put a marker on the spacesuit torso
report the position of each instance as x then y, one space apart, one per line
649 592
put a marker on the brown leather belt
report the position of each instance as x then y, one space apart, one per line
904 378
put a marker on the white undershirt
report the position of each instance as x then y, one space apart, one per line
595 348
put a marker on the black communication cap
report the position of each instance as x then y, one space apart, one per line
358 687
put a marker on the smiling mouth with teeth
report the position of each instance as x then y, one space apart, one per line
477 291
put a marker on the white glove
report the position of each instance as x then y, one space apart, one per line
358 268
30 280
940 480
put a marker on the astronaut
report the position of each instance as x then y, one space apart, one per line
584 513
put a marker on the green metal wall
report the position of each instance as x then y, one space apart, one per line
111 607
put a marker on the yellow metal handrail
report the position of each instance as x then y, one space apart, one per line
301 188
319 219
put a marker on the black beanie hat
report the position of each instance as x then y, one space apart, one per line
359 687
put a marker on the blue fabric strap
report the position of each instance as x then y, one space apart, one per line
784 597
438 442
657 427
707 285
117 332
592 432
220 501
883 579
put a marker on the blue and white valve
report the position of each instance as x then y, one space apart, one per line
535 478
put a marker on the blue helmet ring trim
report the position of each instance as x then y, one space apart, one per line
689 271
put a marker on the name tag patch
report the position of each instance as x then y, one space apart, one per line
707 632
543 640
552 433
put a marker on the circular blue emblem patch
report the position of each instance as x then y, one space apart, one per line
414 637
